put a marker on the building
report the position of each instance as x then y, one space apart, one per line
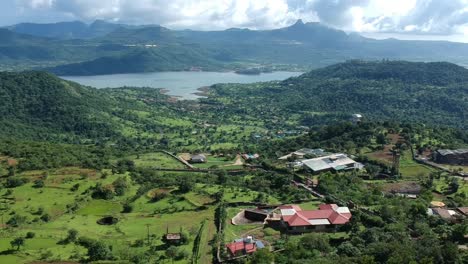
300 154
248 156
356 118
327 218
198 158
454 157
244 246
256 214
446 214
335 162
173 238
463 211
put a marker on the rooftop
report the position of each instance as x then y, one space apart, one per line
335 161
444 152
327 214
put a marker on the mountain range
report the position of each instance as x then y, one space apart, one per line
76 48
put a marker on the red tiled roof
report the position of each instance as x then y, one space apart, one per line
250 247
325 211
298 220
235 247
241 246
293 206
328 206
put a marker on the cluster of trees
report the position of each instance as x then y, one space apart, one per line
432 93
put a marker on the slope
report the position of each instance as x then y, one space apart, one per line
434 93
35 103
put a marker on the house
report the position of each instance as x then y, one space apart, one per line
356 118
463 211
334 162
454 157
300 154
198 158
446 214
173 238
248 156
244 246
256 214
327 218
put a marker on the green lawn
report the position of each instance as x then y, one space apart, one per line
410 169
173 212
156 160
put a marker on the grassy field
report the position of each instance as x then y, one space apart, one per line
156 160
235 194
215 162
174 212
411 170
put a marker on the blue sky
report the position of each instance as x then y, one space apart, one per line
408 19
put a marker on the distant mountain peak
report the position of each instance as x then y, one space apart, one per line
299 22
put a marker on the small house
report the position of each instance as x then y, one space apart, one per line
256 214
198 158
244 246
446 214
249 156
454 157
356 118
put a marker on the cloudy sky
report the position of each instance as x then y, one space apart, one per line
406 19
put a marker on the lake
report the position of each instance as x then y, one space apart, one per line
181 84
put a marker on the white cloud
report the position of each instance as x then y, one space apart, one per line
431 17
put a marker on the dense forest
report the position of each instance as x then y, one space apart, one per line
432 93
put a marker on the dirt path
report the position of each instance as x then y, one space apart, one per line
239 161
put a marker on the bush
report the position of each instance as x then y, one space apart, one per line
38 184
30 235
16 220
13 182
45 217
127 208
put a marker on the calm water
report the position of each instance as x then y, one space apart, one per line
182 84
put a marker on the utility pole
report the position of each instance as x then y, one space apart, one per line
148 232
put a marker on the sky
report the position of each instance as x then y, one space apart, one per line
404 19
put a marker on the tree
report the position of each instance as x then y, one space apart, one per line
171 252
454 185
262 256
30 235
97 250
120 186
17 242
38 184
72 236
185 185
348 249
11 171
316 241
381 139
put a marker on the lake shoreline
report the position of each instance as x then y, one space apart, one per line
185 85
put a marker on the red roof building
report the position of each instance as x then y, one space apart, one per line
327 217
244 246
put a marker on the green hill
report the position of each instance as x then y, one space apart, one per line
37 102
151 59
434 93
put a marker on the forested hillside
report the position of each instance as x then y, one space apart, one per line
78 48
35 103
434 93
166 58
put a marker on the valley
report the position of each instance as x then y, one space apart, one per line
127 175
